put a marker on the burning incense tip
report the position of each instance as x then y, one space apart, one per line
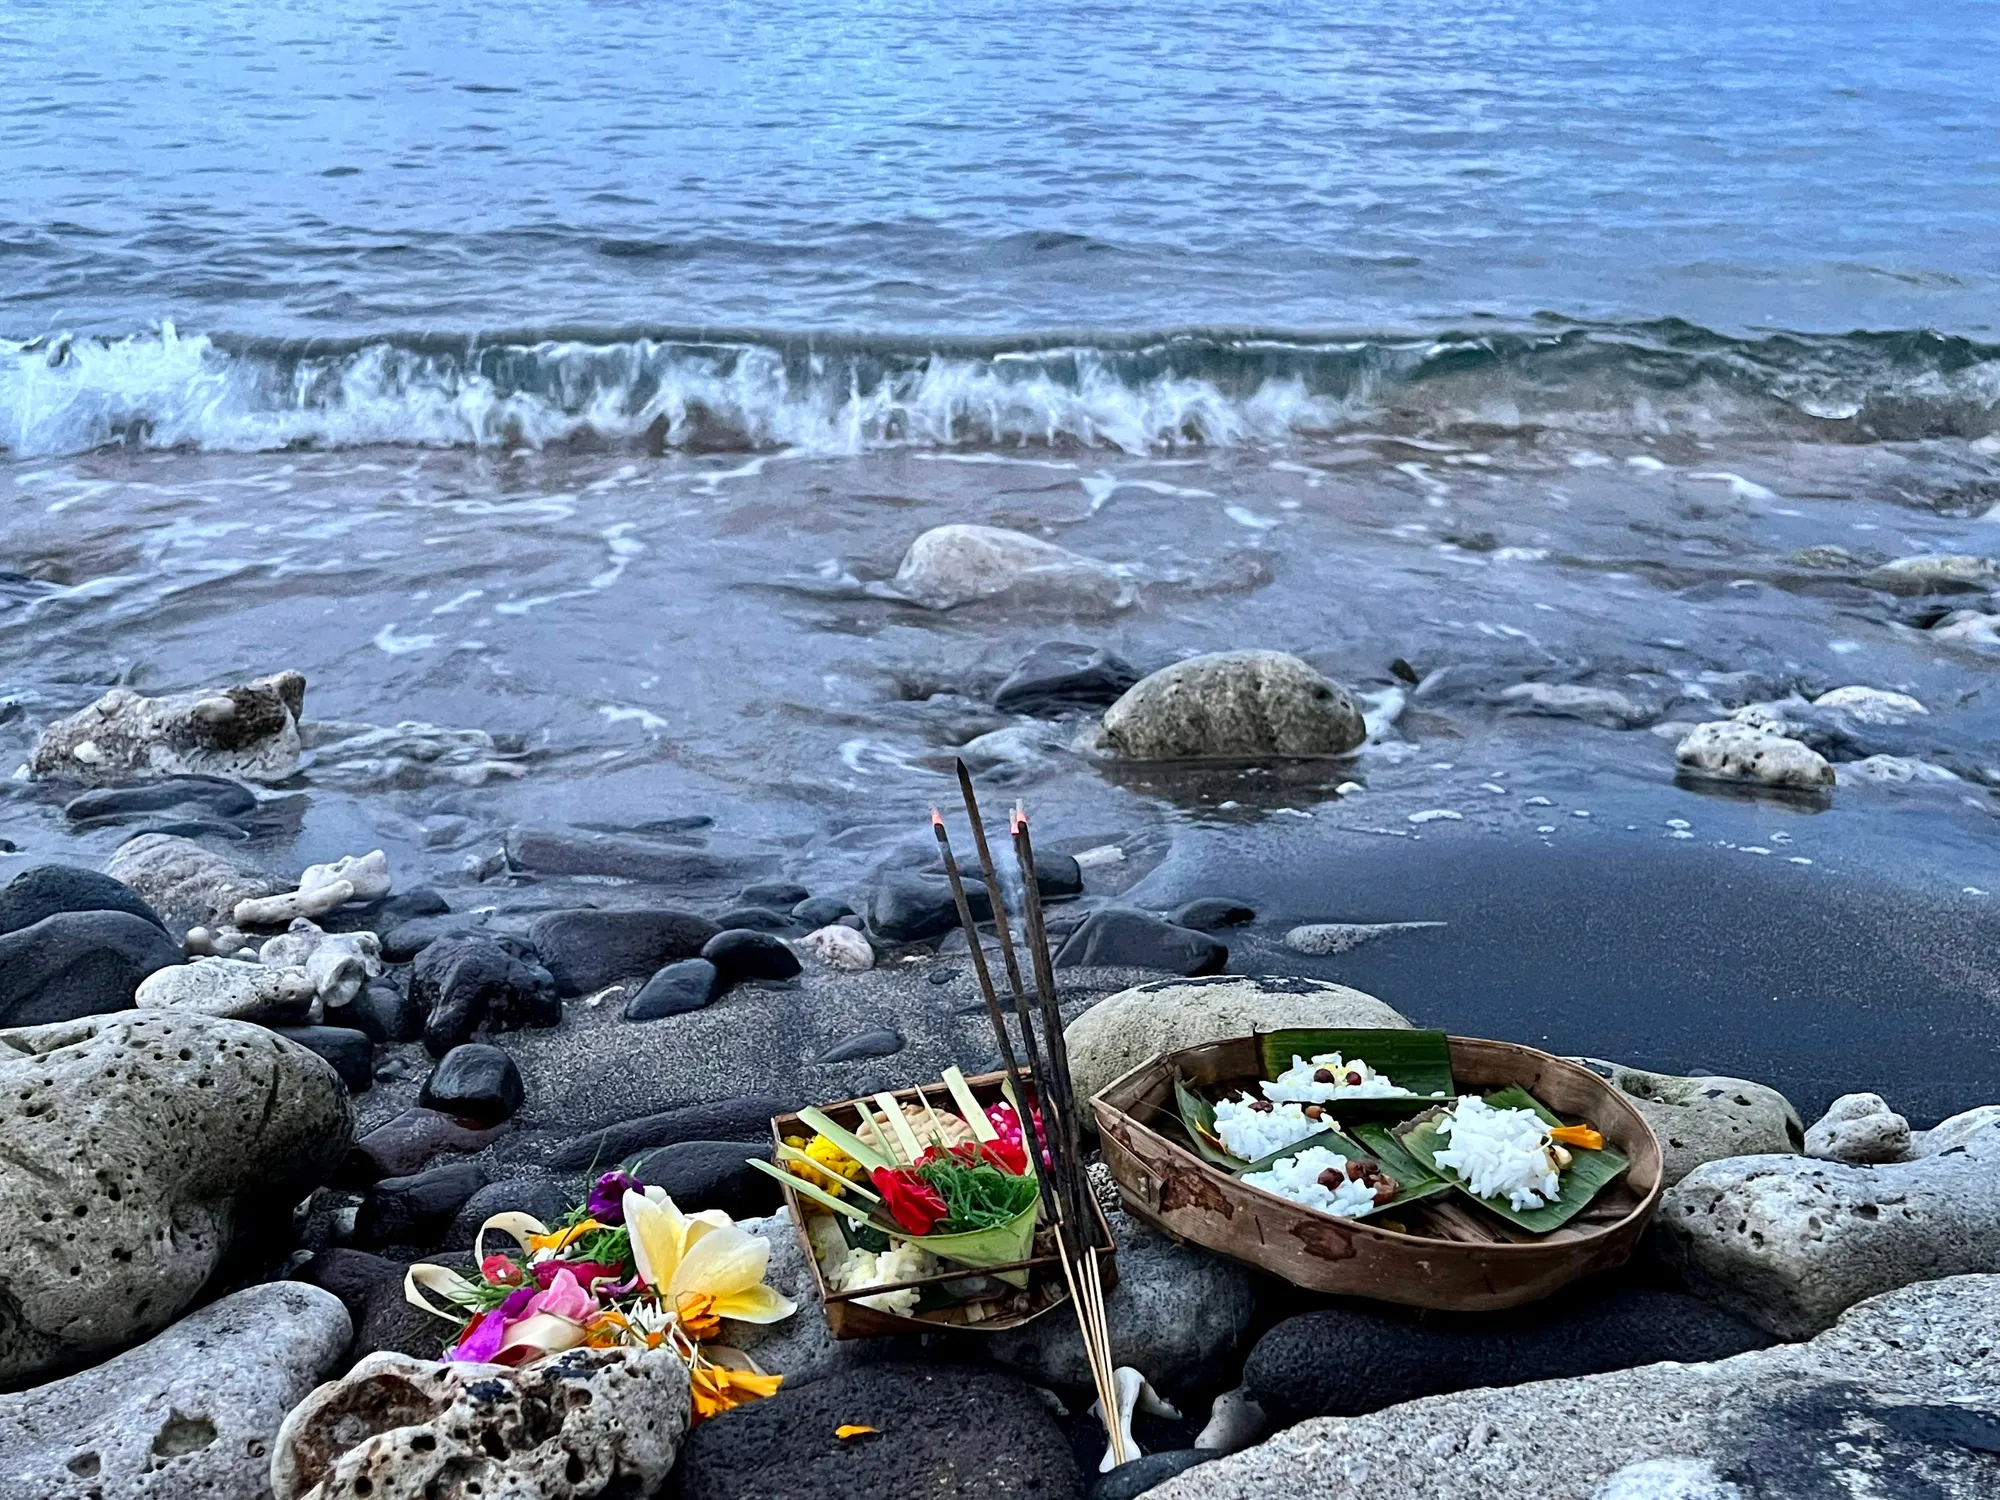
937 818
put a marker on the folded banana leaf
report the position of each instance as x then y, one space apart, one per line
1198 1115
1588 1173
1419 1061
1379 1141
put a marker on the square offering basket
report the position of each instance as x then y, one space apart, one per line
847 1318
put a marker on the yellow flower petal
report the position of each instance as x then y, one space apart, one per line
757 1304
722 1261
657 1235
851 1430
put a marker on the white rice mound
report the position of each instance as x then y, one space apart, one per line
1297 1178
1501 1153
1251 1134
1296 1084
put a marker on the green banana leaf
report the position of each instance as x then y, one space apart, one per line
1419 1181
1411 1186
981 1248
1198 1118
1419 1061
1588 1174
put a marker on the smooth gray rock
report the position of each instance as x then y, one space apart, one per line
185 796
230 988
1060 677
740 953
880 1041
576 1425
1120 937
187 884
78 963
960 564
586 950
1859 1129
911 908
249 732
571 852
1901 1399
1789 1242
686 985
517 1195
48 889
1702 1119
1123 1030
1569 700
1234 705
136 1146
1177 1312
193 1412
476 1082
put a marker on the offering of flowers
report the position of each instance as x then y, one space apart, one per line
913 1187
625 1268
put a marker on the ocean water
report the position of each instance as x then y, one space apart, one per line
566 379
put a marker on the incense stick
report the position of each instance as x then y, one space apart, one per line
1066 1195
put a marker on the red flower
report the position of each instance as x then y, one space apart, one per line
913 1203
500 1271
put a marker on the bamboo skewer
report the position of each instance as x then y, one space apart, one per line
1066 1195
994 1014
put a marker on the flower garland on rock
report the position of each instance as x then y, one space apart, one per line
627 1268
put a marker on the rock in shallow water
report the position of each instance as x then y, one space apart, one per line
250 732
193 1412
1176 1314
1119 937
137 1146
1789 1243
579 1424
1895 1389
187 884
1745 752
1234 705
1123 1030
48 889
78 963
1061 677
953 565
946 1433
1347 1362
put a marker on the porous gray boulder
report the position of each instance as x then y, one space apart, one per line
952 565
1236 705
192 1412
231 988
1789 1242
1176 1313
1123 1030
584 1423
137 1146
1700 1118
187 884
1737 751
1860 1129
1899 1399
250 731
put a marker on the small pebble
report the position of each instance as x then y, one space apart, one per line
1540 802
1546 828
1437 814
1580 812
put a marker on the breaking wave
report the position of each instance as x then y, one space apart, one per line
669 389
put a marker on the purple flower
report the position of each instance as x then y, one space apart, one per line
607 1199
484 1334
